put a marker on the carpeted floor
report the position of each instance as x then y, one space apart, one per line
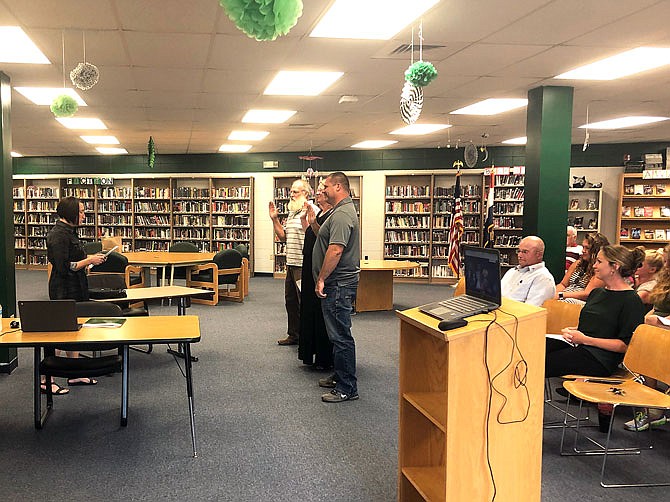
263 432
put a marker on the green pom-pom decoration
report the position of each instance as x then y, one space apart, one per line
64 106
151 150
420 73
263 19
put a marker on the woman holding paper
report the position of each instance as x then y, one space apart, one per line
606 323
69 261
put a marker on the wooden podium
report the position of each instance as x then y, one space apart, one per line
444 394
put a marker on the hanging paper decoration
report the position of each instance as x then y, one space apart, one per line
151 150
263 19
420 73
84 76
64 106
411 103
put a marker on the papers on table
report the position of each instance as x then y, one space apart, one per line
99 322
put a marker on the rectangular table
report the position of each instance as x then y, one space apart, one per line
183 330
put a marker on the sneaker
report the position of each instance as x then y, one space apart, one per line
327 383
289 340
335 396
643 422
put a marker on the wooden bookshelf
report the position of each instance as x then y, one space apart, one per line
508 203
644 210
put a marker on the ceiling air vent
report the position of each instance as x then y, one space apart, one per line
405 48
301 126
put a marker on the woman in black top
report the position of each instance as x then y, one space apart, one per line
606 322
314 345
69 261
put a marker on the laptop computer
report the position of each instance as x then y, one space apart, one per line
48 315
482 287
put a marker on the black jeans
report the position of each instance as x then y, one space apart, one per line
564 359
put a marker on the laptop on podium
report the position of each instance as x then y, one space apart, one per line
48 315
482 287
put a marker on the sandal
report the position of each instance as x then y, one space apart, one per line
87 381
59 391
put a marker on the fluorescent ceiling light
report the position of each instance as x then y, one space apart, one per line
16 154
234 148
45 95
369 19
302 83
623 122
82 123
108 150
621 65
16 47
247 135
267 116
373 143
521 140
418 129
491 107
100 140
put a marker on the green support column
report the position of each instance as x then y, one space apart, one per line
549 133
8 357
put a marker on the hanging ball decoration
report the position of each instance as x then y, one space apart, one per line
421 73
151 151
263 19
64 106
411 103
85 76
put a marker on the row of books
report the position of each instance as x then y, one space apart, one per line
591 205
408 191
509 193
407 221
406 236
659 234
641 189
466 191
645 212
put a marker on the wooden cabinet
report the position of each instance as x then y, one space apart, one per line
448 431
644 209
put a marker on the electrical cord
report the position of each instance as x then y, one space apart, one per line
10 331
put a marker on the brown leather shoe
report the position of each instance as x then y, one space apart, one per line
289 340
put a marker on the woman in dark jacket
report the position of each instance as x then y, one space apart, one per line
69 261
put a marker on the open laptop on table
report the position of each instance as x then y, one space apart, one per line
48 315
482 287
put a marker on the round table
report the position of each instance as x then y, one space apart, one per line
375 285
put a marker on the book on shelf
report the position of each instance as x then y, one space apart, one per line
665 211
574 204
635 233
667 234
638 189
591 204
659 234
626 211
649 234
592 224
638 211
629 190
579 222
623 233
660 189
648 212
648 190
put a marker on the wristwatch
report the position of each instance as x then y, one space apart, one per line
561 296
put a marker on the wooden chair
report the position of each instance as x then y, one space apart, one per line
244 251
646 355
225 270
561 314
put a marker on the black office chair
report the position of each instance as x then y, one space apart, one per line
93 247
223 271
180 247
116 263
67 367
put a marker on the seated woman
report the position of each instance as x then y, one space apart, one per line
659 297
606 323
580 280
645 278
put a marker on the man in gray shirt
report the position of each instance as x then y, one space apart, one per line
336 266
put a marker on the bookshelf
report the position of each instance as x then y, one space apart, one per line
42 197
86 194
584 210
644 209
407 215
20 227
191 211
232 213
114 212
508 201
151 214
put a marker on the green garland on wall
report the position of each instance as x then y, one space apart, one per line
151 150
263 19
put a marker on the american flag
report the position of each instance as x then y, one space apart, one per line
488 225
456 229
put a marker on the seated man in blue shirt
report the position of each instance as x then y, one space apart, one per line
530 281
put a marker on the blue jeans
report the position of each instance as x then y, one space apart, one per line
337 307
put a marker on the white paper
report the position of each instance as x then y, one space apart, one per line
663 320
560 337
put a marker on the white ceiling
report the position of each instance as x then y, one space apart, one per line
184 74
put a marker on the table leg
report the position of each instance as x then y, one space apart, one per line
181 310
375 290
124 387
189 393
37 394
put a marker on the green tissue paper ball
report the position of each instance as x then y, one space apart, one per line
64 106
420 73
263 19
